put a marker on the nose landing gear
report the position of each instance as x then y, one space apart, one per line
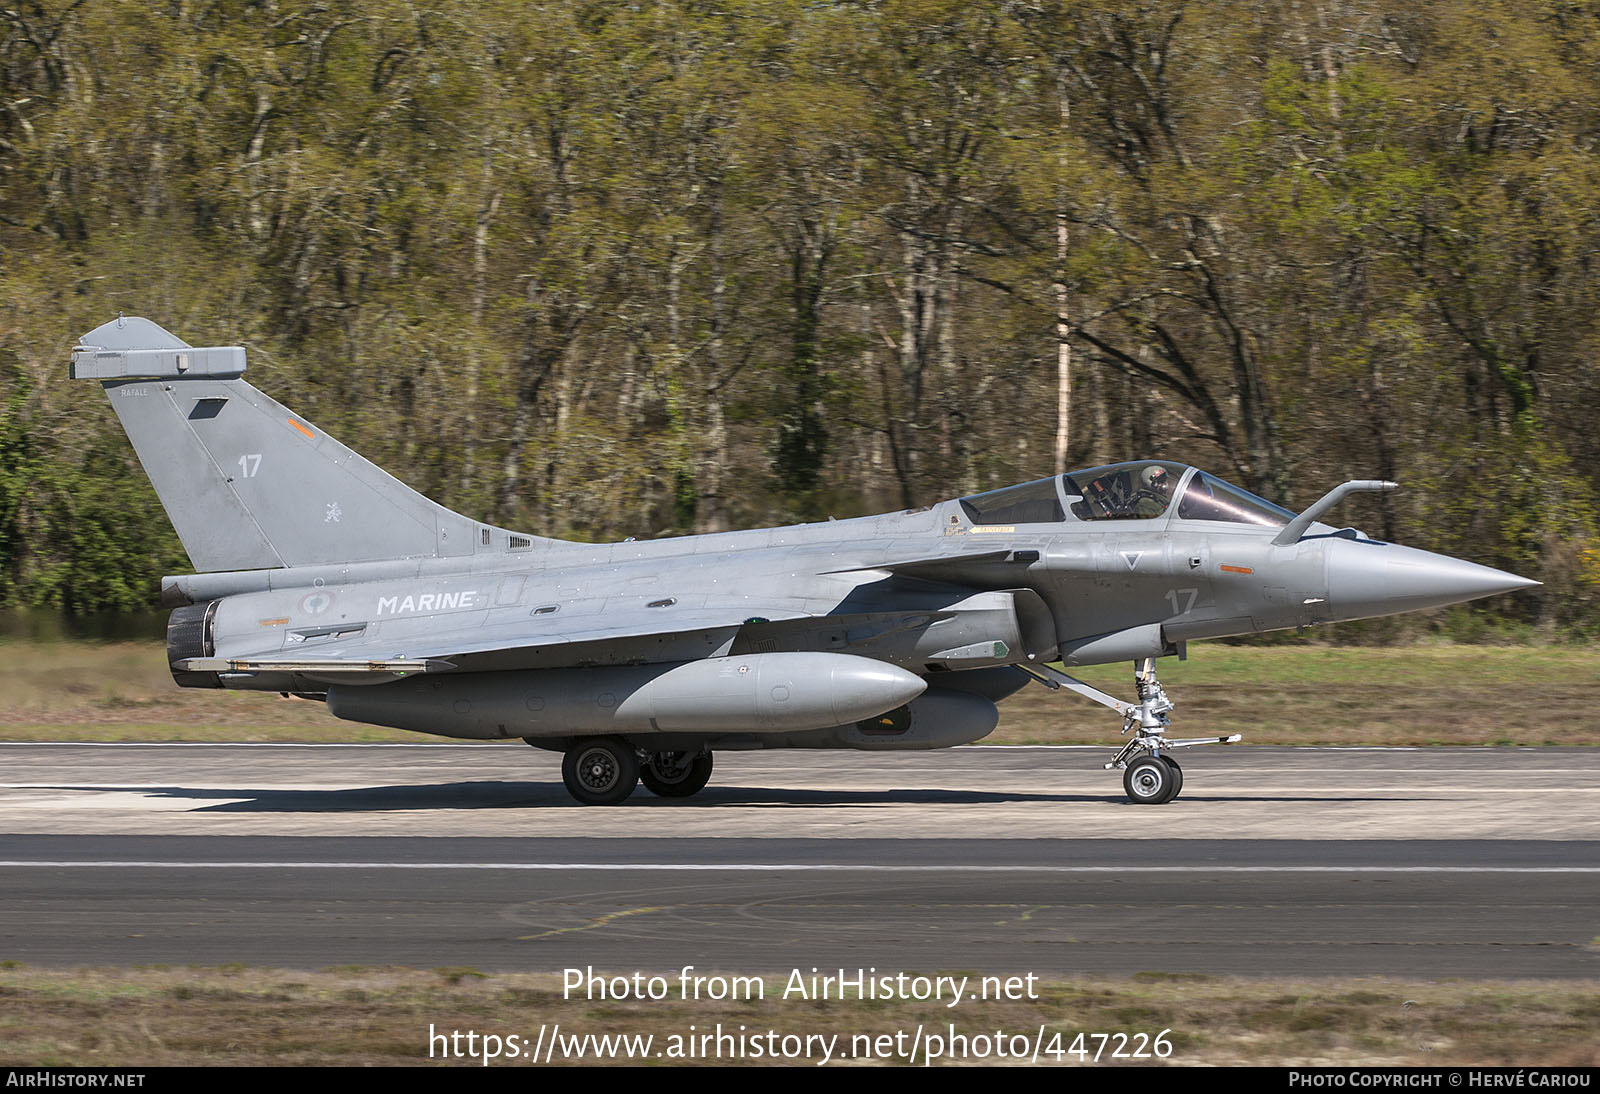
1149 775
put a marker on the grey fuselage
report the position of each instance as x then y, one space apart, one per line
928 591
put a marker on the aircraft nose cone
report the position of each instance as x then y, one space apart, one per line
1367 579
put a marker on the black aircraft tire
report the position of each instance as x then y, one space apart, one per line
683 784
1148 781
600 771
1177 776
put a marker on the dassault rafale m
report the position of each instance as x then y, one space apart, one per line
322 576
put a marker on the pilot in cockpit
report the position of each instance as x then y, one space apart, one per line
1122 494
1157 484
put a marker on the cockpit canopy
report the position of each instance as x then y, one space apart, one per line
1207 497
1037 502
1137 490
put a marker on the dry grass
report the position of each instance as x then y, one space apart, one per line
1302 694
123 691
237 1015
1340 695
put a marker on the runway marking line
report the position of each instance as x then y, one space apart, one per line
765 867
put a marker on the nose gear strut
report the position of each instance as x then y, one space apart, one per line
1149 775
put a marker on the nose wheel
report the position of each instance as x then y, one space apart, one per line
1152 780
1177 776
1149 775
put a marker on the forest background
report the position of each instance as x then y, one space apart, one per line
598 269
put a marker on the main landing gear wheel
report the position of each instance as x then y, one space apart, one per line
675 774
1150 780
600 771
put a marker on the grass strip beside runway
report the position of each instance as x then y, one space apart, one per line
1274 695
364 1016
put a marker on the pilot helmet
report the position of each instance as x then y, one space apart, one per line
1155 478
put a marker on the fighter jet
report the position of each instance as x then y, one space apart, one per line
321 576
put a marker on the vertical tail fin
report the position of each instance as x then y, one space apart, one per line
249 484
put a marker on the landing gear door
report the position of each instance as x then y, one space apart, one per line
1036 623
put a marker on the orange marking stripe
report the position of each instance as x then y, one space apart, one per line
1236 569
310 436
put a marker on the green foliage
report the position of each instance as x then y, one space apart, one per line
603 271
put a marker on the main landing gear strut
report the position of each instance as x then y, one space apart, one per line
1149 775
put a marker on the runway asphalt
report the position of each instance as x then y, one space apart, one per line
1481 863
